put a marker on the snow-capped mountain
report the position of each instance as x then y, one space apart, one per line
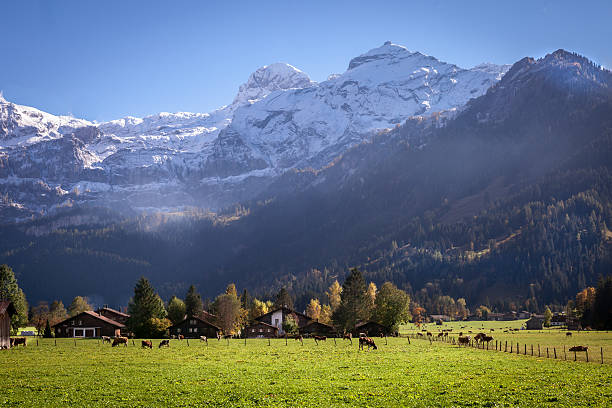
279 120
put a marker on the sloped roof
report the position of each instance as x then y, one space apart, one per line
284 309
108 309
314 322
95 315
8 307
257 323
196 318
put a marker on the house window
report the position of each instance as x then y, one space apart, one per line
252 330
192 321
59 330
268 330
276 322
178 330
195 329
190 330
80 322
261 330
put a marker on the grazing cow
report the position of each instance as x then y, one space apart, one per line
299 337
479 337
464 340
120 340
317 339
579 348
440 334
348 336
219 336
445 334
203 338
15 341
164 343
486 339
181 337
420 334
362 335
568 334
429 334
106 339
147 343
367 341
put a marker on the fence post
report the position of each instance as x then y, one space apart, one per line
37 342
286 344
587 355
602 355
555 351
185 339
244 341
518 349
268 341
538 350
74 342
564 355
506 347
135 344
511 345
574 356
547 356
525 349
56 342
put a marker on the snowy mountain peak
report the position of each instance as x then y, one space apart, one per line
388 51
270 78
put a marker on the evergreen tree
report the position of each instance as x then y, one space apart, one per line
176 310
354 303
79 304
144 307
602 306
10 290
47 334
193 302
245 300
283 298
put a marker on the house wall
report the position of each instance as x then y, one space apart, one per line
277 321
261 330
5 331
97 328
193 328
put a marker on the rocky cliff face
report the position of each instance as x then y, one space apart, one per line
279 120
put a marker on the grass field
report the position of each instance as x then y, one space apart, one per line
398 374
551 338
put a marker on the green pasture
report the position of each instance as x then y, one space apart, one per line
552 338
419 374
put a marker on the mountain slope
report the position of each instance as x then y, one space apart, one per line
279 120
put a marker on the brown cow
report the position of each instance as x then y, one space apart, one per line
299 337
120 340
348 336
579 348
147 343
464 340
367 341
317 339
15 341
479 337
568 333
164 343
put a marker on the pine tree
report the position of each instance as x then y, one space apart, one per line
245 300
283 299
10 290
354 303
193 302
47 334
176 310
144 307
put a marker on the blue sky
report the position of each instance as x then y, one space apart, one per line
102 60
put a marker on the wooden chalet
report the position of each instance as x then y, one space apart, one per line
315 328
193 327
113 314
88 324
277 316
261 330
6 311
371 329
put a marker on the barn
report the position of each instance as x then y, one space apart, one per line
194 327
88 324
535 323
370 329
261 330
6 311
318 329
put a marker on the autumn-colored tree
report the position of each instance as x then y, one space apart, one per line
231 290
462 310
40 316
228 311
258 308
371 291
78 305
57 312
418 314
313 310
334 295
326 314
547 316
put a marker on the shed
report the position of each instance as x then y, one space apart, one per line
370 329
88 324
194 327
318 329
6 311
261 330
534 323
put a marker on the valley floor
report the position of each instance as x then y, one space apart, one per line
232 374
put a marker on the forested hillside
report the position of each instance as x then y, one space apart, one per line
506 203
